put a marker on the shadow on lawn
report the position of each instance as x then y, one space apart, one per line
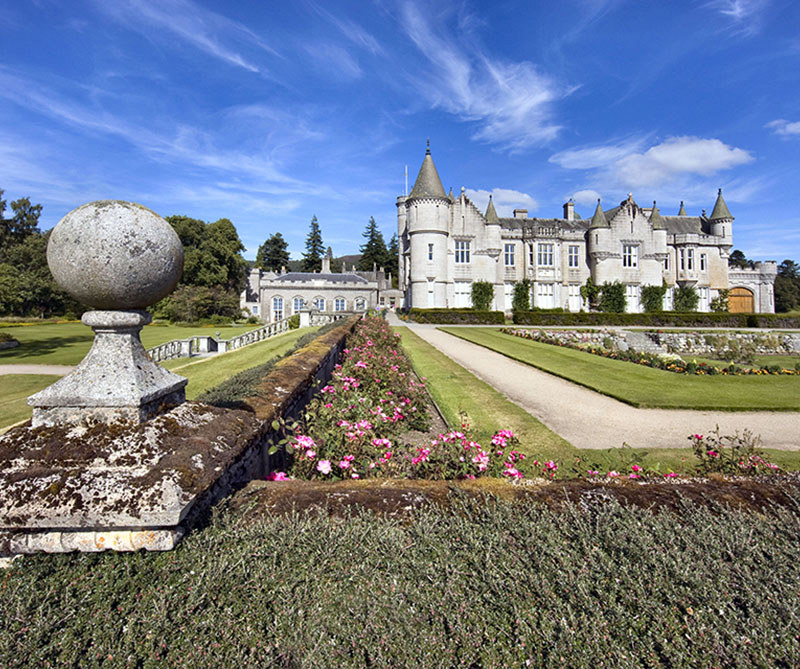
32 349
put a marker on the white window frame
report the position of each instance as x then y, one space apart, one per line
339 304
683 259
509 255
319 303
462 251
277 308
630 255
297 304
573 256
544 256
703 262
690 259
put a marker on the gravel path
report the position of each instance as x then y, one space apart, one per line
58 370
590 420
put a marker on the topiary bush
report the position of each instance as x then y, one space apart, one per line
612 298
653 298
522 296
482 295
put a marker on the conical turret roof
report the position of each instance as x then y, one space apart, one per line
720 209
599 218
428 183
656 219
682 210
491 213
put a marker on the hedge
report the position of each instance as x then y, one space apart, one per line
457 316
660 319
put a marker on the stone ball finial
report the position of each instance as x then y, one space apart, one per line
111 254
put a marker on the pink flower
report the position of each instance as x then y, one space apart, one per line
636 468
552 466
354 475
699 437
634 476
593 472
713 454
613 474
278 476
324 467
670 475
513 472
311 454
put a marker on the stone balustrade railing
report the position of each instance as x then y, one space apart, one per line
323 317
197 345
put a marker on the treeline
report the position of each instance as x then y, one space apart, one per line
214 271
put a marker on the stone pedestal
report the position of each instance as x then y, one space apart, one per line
305 318
116 381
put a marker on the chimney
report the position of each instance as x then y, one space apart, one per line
520 213
283 269
569 210
326 264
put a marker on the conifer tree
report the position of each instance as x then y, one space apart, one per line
273 254
373 252
312 258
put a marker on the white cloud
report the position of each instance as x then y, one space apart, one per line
208 31
511 101
505 200
783 127
744 16
628 166
587 197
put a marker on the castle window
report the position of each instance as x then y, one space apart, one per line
530 255
277 308
545 258
361 305
339 304
430 251
666 263
319 303
297 305
509 255
690 259
703 262
254 310
630 255
572 258
683 259
462 252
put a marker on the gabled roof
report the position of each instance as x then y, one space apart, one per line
656 219
491 212
599 219
428 183
720 209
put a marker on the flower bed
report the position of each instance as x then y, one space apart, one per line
668 364
358 425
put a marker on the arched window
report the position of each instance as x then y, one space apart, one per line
339 304
277 308
319 303
297 304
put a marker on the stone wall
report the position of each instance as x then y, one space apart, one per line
706 343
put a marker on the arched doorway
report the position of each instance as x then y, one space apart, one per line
740 301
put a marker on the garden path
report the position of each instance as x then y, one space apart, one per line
55 370
590 420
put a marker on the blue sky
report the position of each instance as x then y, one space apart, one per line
268 113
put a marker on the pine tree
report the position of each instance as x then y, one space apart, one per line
373 252
273 254
312 258
392 261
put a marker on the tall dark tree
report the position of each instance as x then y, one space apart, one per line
392 261
312 258
273 254
373 251
738 259
23 223
787 286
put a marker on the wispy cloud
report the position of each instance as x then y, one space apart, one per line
351 30
212 33
743 17
783 127
335 60
510 101
505 200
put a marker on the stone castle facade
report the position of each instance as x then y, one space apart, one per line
446 244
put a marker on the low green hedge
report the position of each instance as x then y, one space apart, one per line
660 319
457 316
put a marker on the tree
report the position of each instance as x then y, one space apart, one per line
590 292
522 296
737 259
24 222
373 252
482 295
273 254
392 261
787 286
685 299
312 258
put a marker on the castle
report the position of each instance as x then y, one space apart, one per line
446 243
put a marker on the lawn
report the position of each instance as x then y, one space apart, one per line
202 373
642 386
478 584
68 343
784 361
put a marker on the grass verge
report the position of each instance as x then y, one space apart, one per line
16 388
642 386
482 584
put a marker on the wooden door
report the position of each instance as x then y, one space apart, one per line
740 301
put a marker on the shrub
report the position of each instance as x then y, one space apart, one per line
253 320
685 299
720 303
522 296
730 454
612 298
653 298
591 294
294 321
482 295
661 319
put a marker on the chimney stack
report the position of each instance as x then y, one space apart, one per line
520 213
569 210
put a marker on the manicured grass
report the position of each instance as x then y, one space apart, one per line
481 584
14 393
208 372
68 343
456 390
643 386
784 361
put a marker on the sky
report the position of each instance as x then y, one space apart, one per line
268 113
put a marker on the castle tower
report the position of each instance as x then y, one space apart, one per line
597 241
426 218
721 221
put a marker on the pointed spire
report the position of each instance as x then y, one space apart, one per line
720 209
599 218
656 219
428 183
450 195
682 210
491 213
